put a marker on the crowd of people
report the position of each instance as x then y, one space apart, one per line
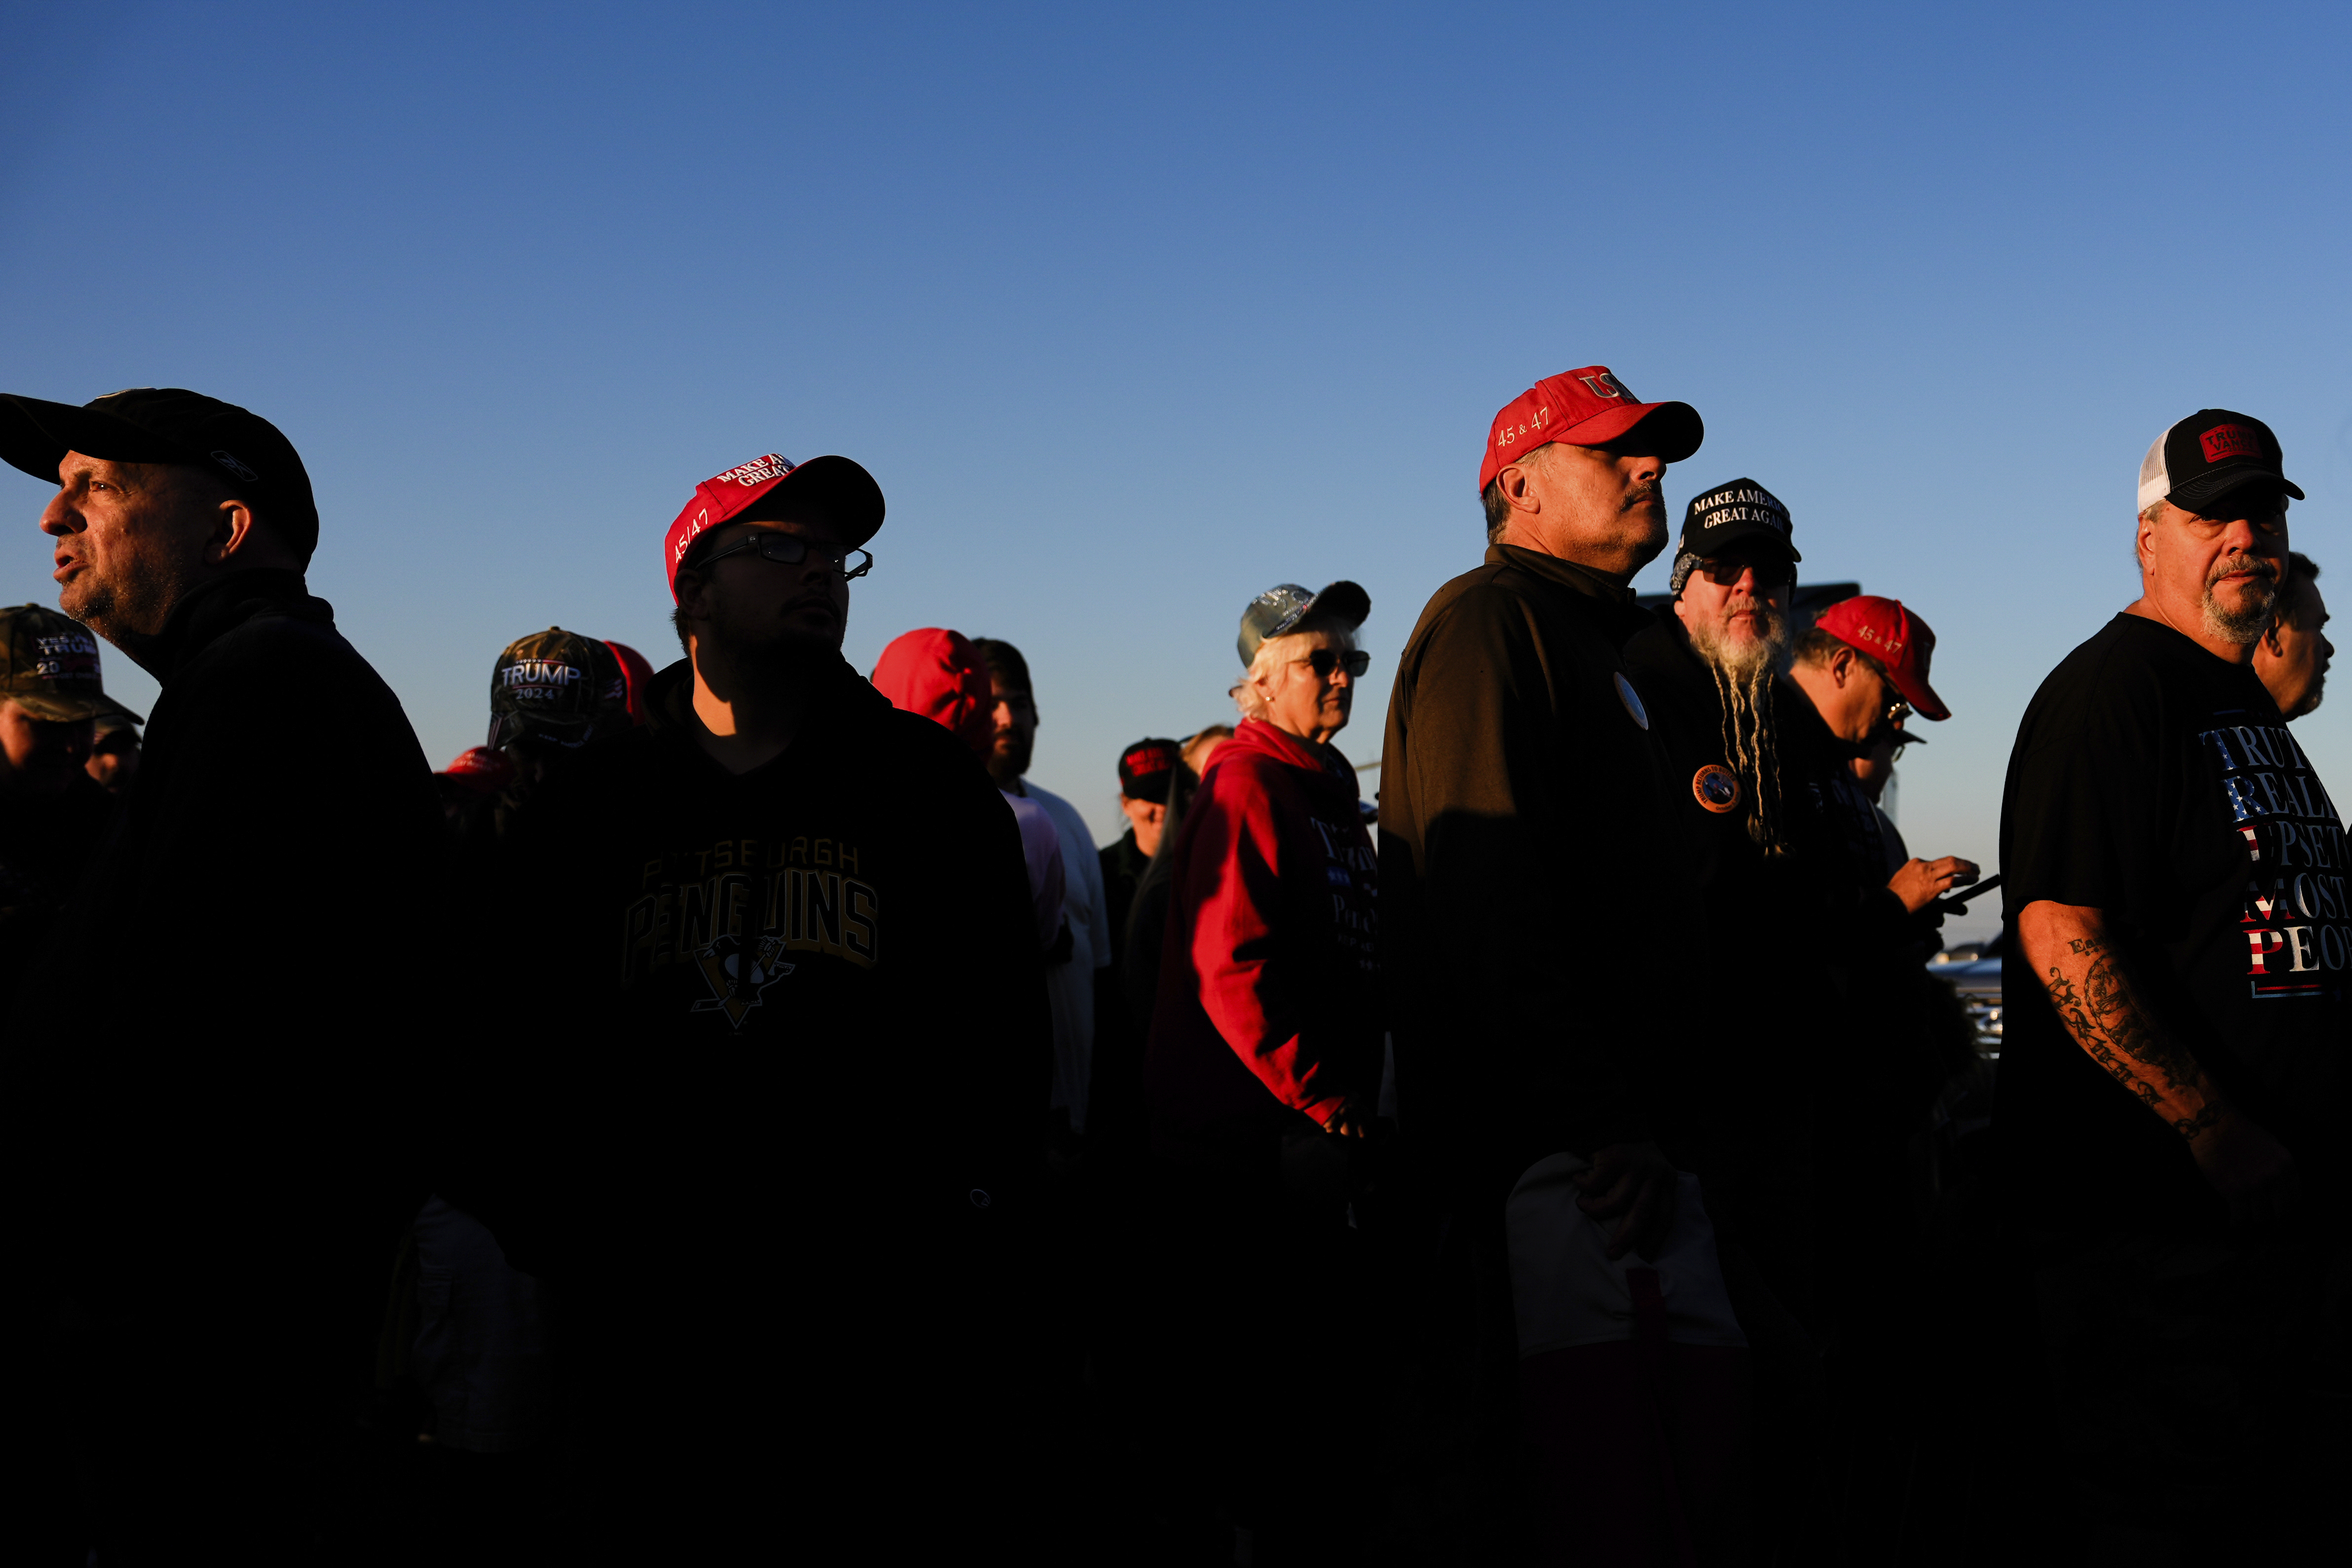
736 1112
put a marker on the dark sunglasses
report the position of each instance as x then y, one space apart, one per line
789 549
1324 660
1770 571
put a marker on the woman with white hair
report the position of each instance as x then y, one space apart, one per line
1263 1063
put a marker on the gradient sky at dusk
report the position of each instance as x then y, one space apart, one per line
1136 311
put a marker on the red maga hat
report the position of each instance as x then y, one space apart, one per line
832 490
1891 634
1587 407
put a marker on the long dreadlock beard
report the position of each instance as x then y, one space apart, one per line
1744 669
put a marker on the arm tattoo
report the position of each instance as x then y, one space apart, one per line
2109 1021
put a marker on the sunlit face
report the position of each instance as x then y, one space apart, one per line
1738 600
1597 505
1300 700
2228 567
130 539
1146 817
1015 742
2292 660
749 603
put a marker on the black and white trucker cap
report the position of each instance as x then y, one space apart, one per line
2209 455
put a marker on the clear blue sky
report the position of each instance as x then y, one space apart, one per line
1135 311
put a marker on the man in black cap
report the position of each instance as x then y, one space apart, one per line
1148 771
779 1018
1709 672
2173 1081
232 1108
52 812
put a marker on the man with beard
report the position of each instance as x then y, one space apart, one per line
1709 672
2293 654
2172 1094
1072 972
788 1041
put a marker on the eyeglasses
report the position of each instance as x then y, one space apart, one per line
1770 571
1324 660
790 550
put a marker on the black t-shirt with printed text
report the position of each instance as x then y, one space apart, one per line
2158 782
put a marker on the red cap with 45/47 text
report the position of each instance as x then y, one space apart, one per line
1895 637
1587 407
834 491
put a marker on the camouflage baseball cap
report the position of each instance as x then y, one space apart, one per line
48 666
560 687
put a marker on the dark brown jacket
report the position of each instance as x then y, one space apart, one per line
1537 923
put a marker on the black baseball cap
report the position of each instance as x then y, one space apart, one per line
1147 768
1729 513
1277 612
169 424
2211 453
558 685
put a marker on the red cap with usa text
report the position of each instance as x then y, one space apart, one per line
1895 637
833 492
1587 407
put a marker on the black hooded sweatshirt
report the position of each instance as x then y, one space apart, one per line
769 1028
231 1008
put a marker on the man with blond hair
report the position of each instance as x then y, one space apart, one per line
2172 1077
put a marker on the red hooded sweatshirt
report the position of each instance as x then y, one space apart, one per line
939 674
1269 1003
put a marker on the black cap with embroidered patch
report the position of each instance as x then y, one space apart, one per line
2211 454
169 424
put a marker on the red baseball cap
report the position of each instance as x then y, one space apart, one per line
939 674
1891 634
636 674
1587 407
481 770
833 490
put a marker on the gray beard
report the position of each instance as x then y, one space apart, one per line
2238 627
1744 671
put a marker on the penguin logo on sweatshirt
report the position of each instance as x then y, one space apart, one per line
739 977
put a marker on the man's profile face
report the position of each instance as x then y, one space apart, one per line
750 605
2292 660
1602 507
1015 741
1146 817
41 756
2228 561
130 538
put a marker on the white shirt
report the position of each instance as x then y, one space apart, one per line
1071 986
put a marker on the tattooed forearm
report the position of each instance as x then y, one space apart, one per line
2094 999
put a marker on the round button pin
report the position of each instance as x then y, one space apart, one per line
1633 702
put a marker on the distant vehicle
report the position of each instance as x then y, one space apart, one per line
1974 971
